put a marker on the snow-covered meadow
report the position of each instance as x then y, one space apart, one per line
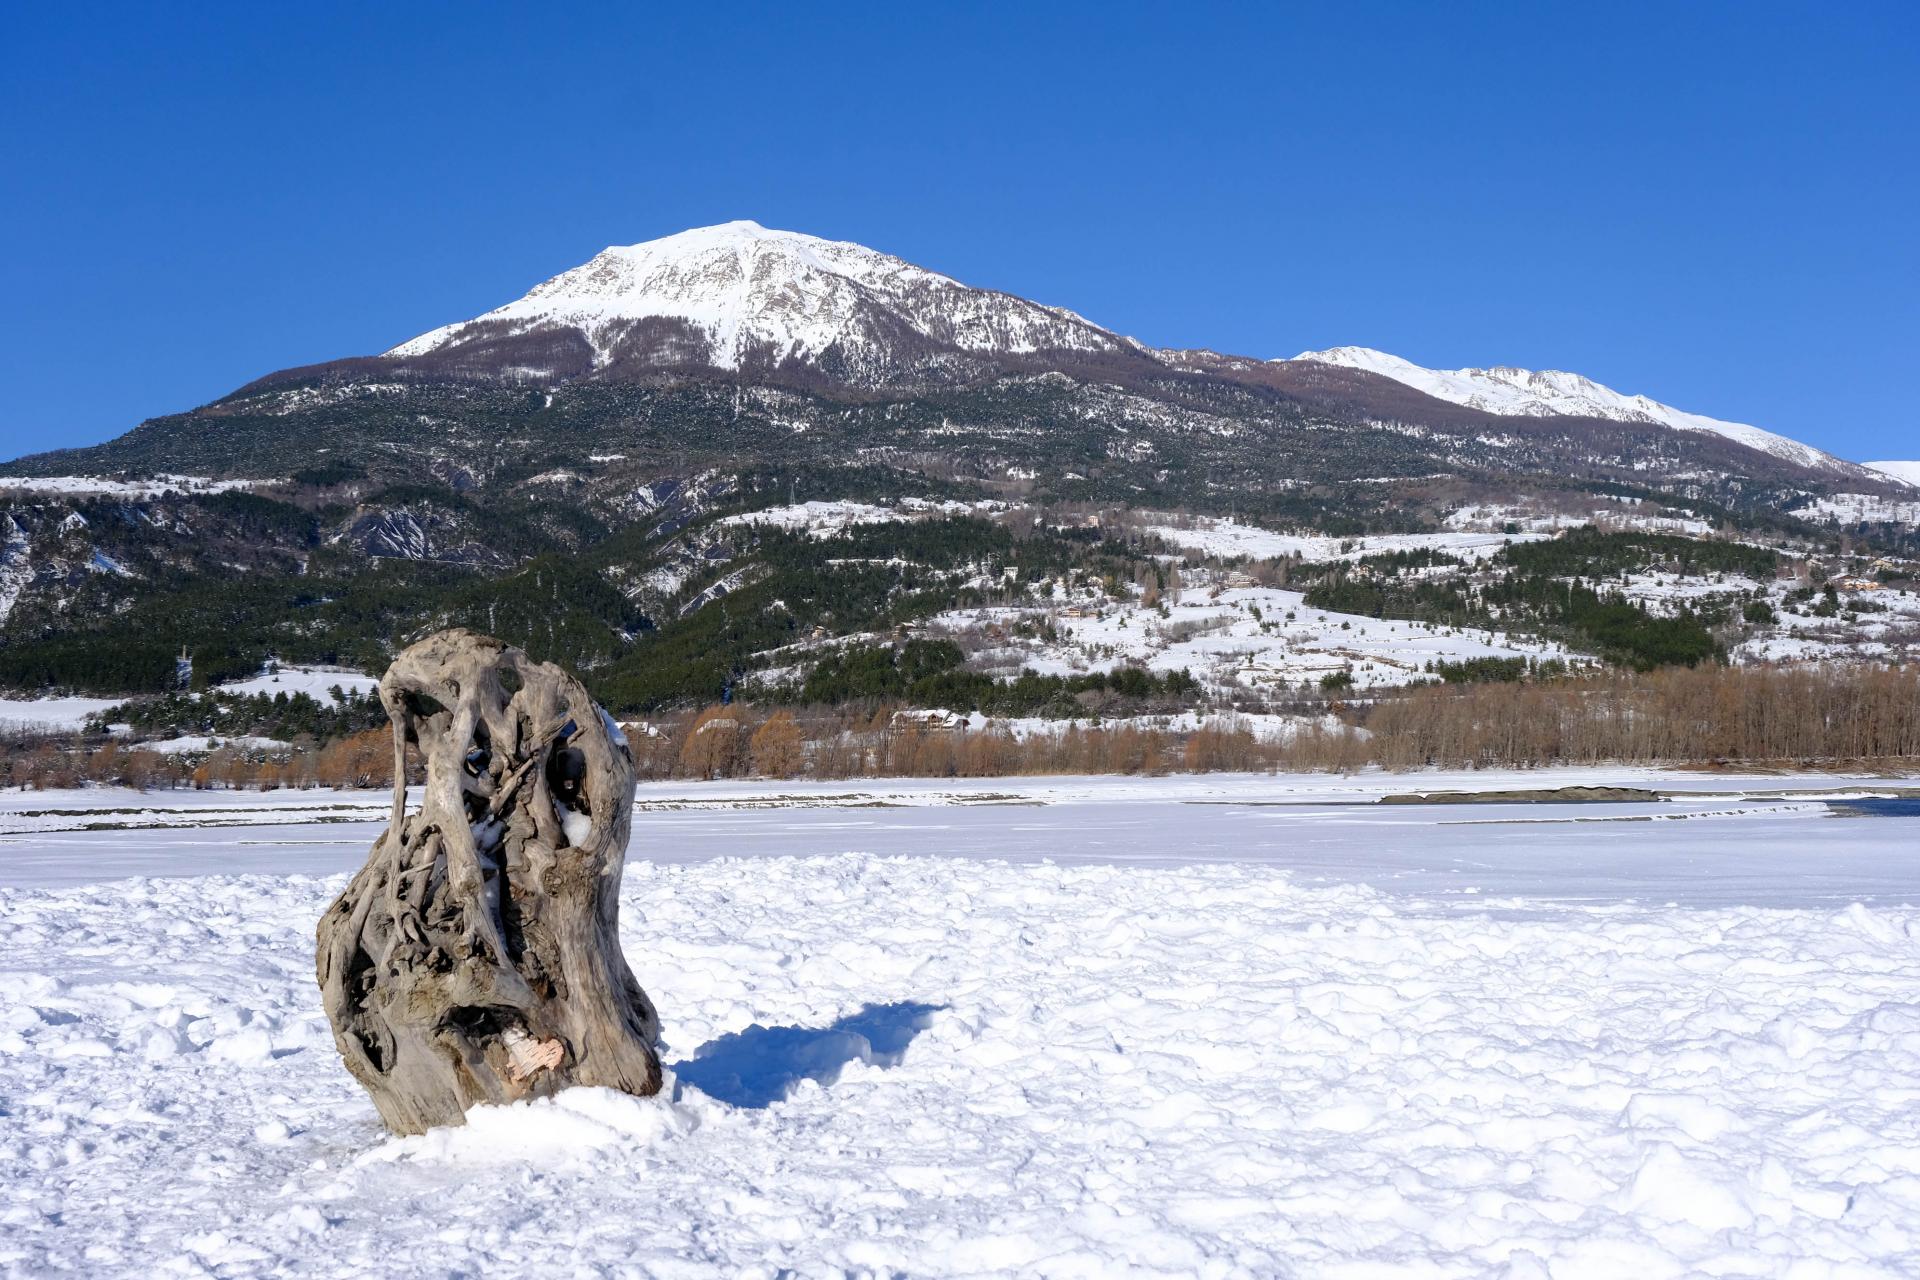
57 713
1230 538
1228 638
823 519
1191 1026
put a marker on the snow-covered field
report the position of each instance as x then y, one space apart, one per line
1231 538
1242 637
67 713
317 683
1852 508
43 714
101 486
824 519
1891 634
1187 1026
1888 629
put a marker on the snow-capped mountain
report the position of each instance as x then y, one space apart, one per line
751 304
741 297
1537 393
1904 472
781 348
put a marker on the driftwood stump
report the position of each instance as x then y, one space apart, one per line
476 956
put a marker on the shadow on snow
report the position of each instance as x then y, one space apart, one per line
757 1067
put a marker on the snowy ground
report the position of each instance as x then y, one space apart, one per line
1230 538
1852 508
1190 1026
822 519
50 714
1234 638
101 486
317 683
1890 629
67 713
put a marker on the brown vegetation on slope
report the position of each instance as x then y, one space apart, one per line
1817 717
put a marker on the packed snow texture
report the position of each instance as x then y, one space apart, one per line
1749 838
947 1065
1534 393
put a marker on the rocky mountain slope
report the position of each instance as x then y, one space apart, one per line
746 300
1553 393
570 469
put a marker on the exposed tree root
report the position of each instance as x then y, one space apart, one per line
476 956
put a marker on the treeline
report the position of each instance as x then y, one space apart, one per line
1619 630
1680 715
363 759
929 673
771 588
889 741
278 715
870 577
1804 717
340 613
1498 670
1390 563
1588 552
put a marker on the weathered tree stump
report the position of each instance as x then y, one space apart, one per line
476 957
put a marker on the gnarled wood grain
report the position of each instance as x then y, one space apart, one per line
476 956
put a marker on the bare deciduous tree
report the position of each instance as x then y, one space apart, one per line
778 748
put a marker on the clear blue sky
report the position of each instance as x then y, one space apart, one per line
1714 205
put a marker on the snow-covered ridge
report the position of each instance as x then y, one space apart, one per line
1535 393
1904 472
742 296
751 291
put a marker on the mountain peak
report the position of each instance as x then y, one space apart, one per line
1370 359
740 295
741 233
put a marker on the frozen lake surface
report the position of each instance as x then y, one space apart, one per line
1719 840
1077 1027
